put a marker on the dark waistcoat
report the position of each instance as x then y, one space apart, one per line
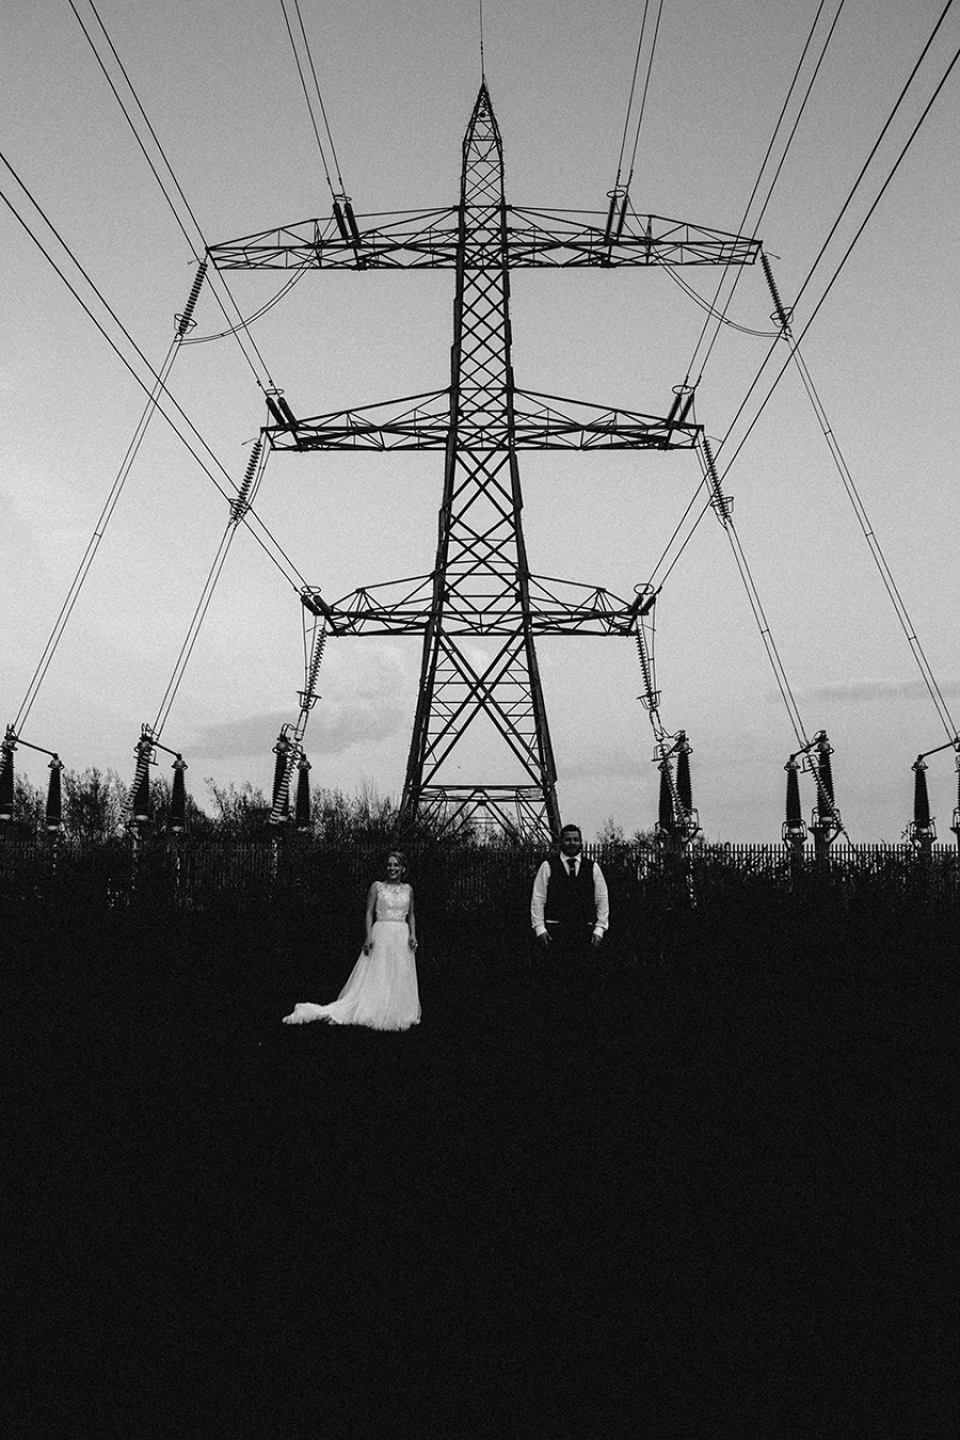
570 902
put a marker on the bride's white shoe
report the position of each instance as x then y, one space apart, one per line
300 1014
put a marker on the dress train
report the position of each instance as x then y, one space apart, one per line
381 991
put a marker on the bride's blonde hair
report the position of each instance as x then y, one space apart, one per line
396 855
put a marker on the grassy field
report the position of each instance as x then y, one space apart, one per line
703 1181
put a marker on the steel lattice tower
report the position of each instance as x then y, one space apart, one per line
481 584
481 559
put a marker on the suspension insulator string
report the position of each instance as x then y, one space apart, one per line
308 695
651 696
783 317
186 322
241 504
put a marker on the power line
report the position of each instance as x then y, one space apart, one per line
89 554
633 88
879 196
770 189
833 229
155 377
251 319
646 87
307 97
195 241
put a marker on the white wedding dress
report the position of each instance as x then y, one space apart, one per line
382 989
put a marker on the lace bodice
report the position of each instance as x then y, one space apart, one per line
393 901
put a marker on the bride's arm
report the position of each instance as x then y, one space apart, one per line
412 922
371 916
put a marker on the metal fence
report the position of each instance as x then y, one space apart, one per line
195 873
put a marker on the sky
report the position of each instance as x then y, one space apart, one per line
218 82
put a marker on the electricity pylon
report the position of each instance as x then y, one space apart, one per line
481 586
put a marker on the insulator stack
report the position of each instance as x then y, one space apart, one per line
352 226
794 811
241 505
722 504
280 807
682 401
649 697
794 831
178 798
824 771
302 816
310 689
780 315
53 818
140 790
684 785
617 214
921 798
274 408
6 780
341 223
185 321
665 818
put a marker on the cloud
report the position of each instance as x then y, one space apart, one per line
332 729
614 763
855 692
361 707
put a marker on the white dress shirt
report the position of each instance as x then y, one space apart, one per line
539 897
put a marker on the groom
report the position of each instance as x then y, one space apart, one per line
569 908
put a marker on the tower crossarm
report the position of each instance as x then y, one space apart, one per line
402 607
533 239
537 422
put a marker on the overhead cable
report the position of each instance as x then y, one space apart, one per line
334 191
195 238
251 319
273 549
755 225
633 87
846 255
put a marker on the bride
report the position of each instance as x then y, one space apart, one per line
382 989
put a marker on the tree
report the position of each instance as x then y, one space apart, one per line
610 833
94 804
29 806
241 814
198 823
366 818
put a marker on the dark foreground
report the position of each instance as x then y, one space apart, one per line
696 1194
